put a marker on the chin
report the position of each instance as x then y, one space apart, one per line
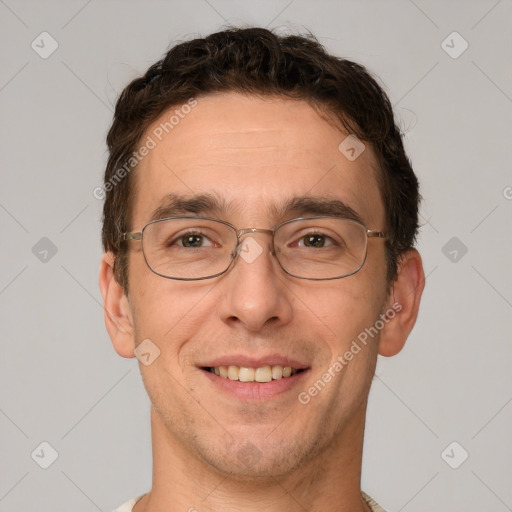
259 460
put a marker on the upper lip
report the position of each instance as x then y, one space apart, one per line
253 362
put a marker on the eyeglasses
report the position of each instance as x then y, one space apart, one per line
194 248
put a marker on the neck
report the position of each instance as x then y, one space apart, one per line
183 482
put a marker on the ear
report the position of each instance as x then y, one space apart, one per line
118 316
404 300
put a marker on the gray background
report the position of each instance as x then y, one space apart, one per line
61 381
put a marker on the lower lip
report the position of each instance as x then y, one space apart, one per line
255 391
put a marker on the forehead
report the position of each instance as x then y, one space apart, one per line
255 155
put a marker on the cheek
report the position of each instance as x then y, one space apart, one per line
169 312
348 311
348 306
168 316
153 299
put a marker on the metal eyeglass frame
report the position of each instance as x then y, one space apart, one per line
138 235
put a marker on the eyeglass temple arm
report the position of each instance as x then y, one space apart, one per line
133 235
375 234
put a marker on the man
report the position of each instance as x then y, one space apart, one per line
259 222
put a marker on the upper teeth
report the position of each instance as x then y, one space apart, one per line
261 374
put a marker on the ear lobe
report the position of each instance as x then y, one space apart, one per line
404 299
118 317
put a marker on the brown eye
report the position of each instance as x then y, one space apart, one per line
314 240
192 240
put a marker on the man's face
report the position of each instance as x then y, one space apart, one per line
256 156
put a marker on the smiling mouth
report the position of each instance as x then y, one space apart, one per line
246 374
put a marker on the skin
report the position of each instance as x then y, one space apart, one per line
256 153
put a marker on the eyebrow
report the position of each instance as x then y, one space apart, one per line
312 205
174 205
212 205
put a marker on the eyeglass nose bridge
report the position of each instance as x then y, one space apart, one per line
242 232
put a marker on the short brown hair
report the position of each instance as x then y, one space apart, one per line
256 61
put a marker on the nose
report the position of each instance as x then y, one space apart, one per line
255 293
